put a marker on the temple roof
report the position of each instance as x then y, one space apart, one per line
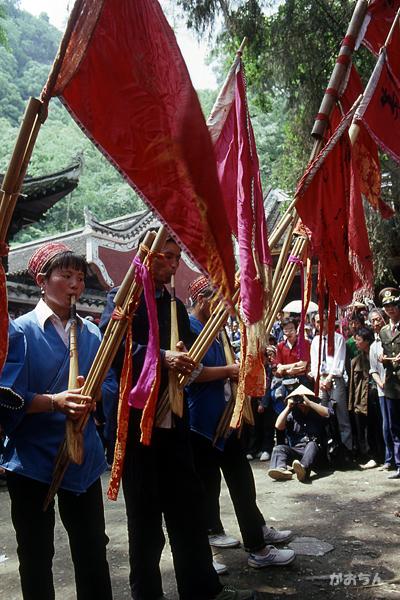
38 194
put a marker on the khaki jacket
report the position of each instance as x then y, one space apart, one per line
391 347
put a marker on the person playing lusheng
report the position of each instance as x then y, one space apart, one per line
159 480
206 401
40 377
303 420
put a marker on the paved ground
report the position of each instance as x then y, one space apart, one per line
353 511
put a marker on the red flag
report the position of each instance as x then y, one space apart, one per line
330 206
365 151
377 23
124 81
239 175
379 109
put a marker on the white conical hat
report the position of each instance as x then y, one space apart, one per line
301 390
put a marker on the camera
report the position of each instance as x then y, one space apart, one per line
298 399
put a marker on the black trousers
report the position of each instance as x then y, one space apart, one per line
284 455
83 518
209 462
160 480
261 435
394 425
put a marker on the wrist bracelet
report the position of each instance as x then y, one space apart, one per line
53 403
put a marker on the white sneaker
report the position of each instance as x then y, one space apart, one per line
371 464
274 558
220 568
221 540
265 456
276 536
249 457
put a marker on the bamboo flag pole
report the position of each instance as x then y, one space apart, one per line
354 128
318 130
175 393
110 343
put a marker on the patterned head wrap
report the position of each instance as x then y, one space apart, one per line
198 286
43 255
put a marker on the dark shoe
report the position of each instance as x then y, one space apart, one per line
231 593
395 475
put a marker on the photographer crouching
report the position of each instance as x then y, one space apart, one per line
304 421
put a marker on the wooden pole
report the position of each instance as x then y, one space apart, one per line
19 161
340 69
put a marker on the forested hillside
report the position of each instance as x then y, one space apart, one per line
31 44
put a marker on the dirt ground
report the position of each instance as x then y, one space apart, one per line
353 511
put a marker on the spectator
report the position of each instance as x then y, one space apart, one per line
304 421
235 338
377 371
332 384
355 323
390 338
261 436
290 368
277 330
363 402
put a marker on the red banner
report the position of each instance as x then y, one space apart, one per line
122 77
365 151
330 206
380 16
239 175
379 110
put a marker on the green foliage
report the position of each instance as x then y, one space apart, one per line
25 62
290 54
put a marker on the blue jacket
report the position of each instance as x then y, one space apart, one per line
38 363
206 401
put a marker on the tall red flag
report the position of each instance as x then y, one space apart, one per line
330 206
365 151
239 175
377 23
123 79
379 109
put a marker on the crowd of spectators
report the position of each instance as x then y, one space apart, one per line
353 421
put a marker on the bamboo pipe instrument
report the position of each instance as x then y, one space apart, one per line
197 351
175 393
74 438
106 353
223 426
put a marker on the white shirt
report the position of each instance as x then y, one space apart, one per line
44 312
334 365
375 351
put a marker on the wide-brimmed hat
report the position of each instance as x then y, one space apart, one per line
301 390
389 295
